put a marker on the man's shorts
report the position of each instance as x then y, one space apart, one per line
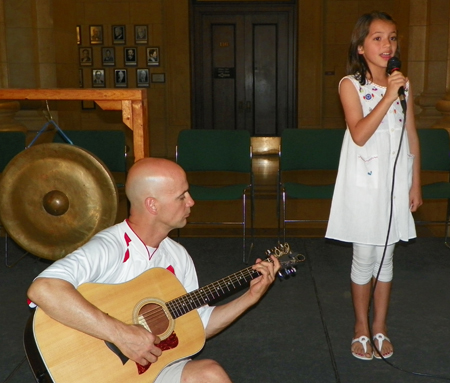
172 373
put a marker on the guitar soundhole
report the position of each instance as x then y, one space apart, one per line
155 318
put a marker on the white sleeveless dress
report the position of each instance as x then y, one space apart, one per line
360 210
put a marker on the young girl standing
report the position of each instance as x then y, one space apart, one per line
372 202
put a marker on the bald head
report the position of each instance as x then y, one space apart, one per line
150 177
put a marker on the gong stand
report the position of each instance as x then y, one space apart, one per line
59 204
132 103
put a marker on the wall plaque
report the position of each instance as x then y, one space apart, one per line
223 73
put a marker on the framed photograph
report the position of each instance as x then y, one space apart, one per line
158 77
85 56
108 56
120 78
98 78
80 78
153 56
140 34
142 77
96 34
118 34
78 31
130 56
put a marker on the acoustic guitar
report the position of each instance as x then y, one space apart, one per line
162 307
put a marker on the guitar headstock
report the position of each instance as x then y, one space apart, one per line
288 259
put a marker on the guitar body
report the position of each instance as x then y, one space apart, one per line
71 356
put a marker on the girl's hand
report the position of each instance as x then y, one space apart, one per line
415 199
395 81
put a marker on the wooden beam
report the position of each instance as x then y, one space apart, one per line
132 102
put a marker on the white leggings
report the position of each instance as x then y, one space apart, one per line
366 263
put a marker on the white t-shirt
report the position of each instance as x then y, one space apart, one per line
117 255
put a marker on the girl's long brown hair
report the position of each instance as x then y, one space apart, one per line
356 63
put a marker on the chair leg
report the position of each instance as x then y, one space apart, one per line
246 256
284 216
11 265
447 224
244 226
278 206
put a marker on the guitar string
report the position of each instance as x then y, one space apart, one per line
188 302
201 296
185 304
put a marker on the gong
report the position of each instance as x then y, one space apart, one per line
55 197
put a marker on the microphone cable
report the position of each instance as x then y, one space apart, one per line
372 342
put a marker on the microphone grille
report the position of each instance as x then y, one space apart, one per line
394 64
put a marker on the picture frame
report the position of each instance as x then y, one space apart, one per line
140 34
98 78
108 56
96 34
118 34
85 54
130 55
78 34
142 77
153 56
120 78
158 77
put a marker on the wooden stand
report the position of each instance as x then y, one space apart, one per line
132 103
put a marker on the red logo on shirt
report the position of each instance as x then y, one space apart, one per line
127 253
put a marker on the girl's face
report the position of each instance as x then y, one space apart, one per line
380 44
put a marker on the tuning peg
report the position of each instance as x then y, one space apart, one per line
286 273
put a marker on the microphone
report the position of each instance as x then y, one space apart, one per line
393 65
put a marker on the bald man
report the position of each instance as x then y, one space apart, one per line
158 192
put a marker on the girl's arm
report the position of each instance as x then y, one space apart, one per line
415 193
361 128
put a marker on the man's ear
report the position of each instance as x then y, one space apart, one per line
150 205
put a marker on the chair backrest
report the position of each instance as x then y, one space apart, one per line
11 144
214 150
434 149
108 145
310 149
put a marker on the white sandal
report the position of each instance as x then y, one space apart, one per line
381 338
363 340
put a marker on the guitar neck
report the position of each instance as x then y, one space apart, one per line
212 292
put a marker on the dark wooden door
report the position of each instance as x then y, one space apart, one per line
243 70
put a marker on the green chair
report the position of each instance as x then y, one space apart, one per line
219 152
305 150
108 145
11 144
435 156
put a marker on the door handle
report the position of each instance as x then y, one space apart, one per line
248 106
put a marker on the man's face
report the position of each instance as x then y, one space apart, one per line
174 203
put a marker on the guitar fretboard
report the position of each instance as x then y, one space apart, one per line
212 292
